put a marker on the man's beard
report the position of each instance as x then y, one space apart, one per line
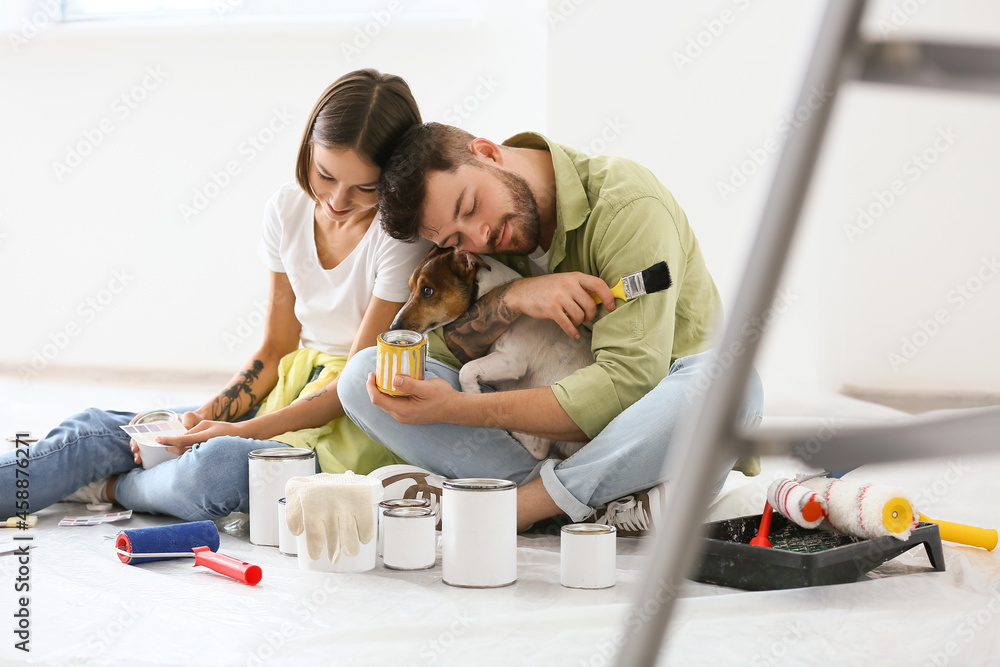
524 219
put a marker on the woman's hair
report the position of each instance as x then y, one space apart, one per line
364 110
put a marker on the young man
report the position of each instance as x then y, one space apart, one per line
573 224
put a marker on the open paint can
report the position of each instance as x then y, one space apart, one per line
409 538
479 533
399 352
270 469
393 503
364 560
587 554
286 541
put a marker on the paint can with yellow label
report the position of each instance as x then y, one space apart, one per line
399 352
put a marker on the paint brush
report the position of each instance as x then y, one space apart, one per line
17 522
654 279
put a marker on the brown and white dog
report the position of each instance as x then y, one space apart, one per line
530 353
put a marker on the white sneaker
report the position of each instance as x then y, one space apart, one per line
92 494
406 481
634 515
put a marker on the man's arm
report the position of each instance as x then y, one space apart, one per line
435 401
561 297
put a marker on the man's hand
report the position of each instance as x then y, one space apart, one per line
563 298
429 402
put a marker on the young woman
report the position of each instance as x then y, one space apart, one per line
336 282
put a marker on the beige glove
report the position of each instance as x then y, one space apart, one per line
334 512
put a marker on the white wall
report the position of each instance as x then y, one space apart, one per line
192 282
615 77
701 89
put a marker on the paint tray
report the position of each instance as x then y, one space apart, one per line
799 557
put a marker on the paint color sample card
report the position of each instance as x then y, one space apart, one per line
147 433
95 519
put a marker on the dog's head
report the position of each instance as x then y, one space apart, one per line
442 287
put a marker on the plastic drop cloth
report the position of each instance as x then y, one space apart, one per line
87 608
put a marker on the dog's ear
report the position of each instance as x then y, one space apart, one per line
467 263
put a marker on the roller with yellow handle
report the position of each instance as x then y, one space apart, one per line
985 538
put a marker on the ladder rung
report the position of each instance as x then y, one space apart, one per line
936 65
960 432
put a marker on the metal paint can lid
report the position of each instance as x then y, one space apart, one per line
155 416
408 512
478 484
401 337
282 454
588 529
404 502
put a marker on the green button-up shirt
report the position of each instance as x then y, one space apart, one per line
613 218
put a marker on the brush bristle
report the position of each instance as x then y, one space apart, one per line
656 278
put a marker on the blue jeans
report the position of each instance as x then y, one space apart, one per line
627 456
207 482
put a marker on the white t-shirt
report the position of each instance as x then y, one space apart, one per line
330 304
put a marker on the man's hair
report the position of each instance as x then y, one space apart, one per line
402 186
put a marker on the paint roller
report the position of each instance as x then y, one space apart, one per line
872 510
197 539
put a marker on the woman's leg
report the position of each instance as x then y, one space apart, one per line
83 449
209 481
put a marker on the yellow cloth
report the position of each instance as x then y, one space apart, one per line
339 444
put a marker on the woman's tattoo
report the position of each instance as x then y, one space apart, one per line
316 394
471 334
226 406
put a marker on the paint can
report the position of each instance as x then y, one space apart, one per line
479 533
286 541
409 538
587 554
400 352
269 470
364 560
393 503
155 416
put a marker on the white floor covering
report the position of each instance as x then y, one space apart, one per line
87 608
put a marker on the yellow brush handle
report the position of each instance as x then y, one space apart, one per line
618 291
959 532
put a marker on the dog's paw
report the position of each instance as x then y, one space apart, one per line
536 446
469 381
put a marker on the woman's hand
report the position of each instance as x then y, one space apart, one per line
204 430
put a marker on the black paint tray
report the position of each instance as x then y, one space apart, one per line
799 557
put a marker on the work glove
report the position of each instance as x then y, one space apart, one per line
334 512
